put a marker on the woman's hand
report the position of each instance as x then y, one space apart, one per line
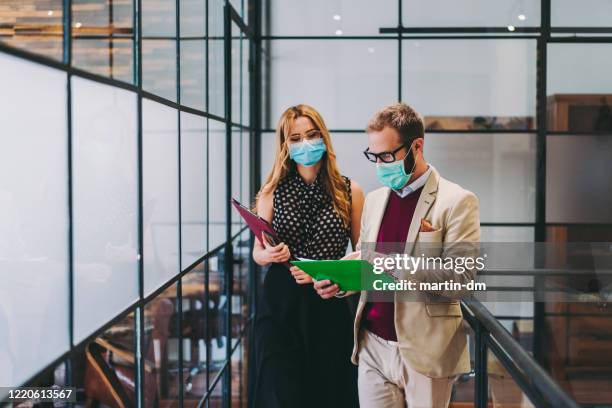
274 253
325 289
301 277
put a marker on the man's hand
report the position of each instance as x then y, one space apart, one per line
325 289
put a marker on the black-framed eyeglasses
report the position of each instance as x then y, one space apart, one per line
385 157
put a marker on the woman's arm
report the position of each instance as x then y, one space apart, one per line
358 197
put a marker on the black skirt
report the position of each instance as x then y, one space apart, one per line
302 346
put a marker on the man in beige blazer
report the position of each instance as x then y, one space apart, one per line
411 349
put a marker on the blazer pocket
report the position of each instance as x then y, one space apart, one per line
430 236
452 309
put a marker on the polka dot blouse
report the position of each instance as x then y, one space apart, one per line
305 219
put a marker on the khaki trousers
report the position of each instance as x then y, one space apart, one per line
386 381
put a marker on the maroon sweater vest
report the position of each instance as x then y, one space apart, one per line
379 316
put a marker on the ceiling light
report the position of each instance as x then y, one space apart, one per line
50 12
511 28
522 17
78 25
337 17
338 32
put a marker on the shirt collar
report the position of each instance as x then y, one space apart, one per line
416 184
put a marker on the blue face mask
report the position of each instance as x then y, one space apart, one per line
393 175
307 153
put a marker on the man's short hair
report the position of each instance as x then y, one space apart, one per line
400 117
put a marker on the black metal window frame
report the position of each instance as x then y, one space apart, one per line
66 65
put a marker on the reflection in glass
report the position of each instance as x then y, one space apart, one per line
159 18
352 71
193 18
471 13
236 55
195 307
193 188
471 84
238 154
103 37
33 220
33 25
216 67
578 193
324 17
498 168
107 370
584 13
160 194
193 74
159 67
217 313
217 184
161 347
105 207
579 68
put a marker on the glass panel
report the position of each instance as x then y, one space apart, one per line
236 54
159 48
105 207
268 151
193 74
107 369
349 149
504 391
215 400
34 219
586 13
245 82
33 25
579 68
159 67
579 193
161 348
506 234
498 168
216 75
193 187
111 58
237 157
160 194
471 13
103 37
194 335
335 17
217 187
241 306
193 18
159 18
352 72
217 313
471 84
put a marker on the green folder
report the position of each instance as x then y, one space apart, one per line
349 274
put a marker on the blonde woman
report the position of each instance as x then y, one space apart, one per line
303 343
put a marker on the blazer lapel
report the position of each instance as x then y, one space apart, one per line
426 200
377 213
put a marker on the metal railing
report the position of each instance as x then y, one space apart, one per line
532 379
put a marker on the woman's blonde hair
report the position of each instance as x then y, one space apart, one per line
329 175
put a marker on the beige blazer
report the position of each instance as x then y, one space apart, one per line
431 337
